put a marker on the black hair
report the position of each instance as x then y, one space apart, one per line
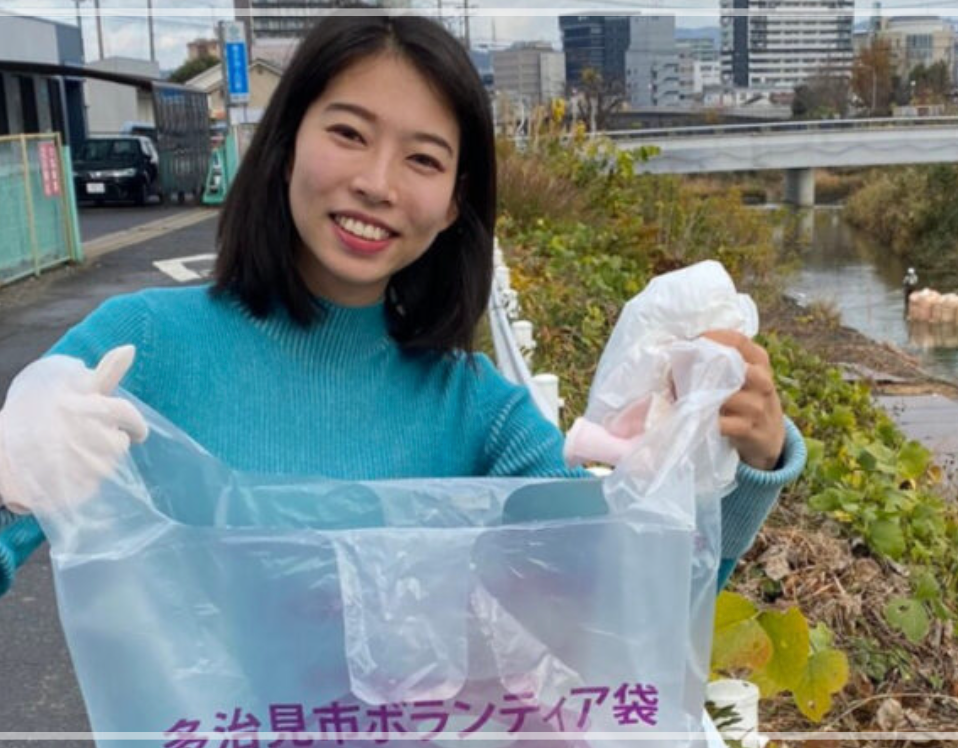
434 303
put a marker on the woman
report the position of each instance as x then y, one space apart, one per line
355 260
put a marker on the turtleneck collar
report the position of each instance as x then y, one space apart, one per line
338 330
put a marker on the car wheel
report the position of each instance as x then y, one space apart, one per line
142 194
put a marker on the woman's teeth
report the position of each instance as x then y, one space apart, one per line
360 229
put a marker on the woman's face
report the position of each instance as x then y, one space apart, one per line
372 179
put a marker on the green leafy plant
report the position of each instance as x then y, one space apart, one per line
864 474
777 651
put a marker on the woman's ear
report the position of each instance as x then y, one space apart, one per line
452 214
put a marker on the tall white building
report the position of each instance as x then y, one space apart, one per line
529 72
779 44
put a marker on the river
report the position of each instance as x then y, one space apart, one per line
863 280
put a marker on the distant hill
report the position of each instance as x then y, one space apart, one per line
712 32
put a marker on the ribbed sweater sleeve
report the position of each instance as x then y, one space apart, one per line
521 442
745 509
119 321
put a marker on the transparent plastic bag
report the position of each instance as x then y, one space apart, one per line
196 599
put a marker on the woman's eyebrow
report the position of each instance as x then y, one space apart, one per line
363 113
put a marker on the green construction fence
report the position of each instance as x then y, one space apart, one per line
38 218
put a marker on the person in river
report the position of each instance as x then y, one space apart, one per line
355 262
909 284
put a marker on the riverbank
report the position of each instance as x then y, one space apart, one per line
924 406
889 369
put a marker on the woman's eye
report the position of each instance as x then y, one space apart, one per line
347 132
428 161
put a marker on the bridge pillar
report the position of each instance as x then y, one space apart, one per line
800 187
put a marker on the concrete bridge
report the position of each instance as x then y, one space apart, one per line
797 148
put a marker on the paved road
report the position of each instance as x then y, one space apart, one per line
38 690
97 221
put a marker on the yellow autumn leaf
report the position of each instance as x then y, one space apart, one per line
788 633
825 674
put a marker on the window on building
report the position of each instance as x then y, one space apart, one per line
28 104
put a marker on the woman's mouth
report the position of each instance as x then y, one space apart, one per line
361 229
361 237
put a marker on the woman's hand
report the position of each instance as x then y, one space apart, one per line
752 418
62 432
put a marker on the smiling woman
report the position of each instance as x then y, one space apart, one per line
372 196
355 262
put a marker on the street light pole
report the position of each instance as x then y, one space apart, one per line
76 3
149 21
99 27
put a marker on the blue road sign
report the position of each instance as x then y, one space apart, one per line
237 68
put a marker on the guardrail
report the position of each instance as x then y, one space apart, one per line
514 343
765 128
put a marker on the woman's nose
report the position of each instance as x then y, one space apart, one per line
375 181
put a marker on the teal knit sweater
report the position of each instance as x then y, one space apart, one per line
339 399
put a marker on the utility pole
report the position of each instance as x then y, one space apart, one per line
76 3
465 22
149 21
99 27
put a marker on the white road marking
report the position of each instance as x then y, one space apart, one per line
177 267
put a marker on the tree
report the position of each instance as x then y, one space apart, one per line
823 96
930 85
192 68
598 99
872 78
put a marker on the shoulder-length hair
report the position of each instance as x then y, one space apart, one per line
434 303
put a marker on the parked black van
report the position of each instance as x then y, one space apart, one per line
117 168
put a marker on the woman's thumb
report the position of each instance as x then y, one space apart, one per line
113 367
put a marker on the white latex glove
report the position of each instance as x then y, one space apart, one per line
61 433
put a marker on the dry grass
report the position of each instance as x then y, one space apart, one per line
532 191
836 186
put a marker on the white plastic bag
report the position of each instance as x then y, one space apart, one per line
198 600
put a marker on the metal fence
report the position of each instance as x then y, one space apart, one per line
38 219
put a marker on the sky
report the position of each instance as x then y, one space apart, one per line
180 21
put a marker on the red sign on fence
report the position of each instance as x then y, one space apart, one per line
49 168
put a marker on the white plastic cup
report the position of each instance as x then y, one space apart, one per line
742 696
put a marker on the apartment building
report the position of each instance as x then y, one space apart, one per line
286 19
529 72
778 44
919 40
652 62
